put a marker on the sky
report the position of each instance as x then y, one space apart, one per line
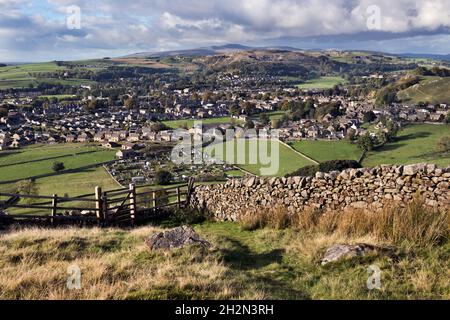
45 30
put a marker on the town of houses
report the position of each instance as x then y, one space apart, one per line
114 125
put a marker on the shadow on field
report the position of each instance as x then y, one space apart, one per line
416 135
49 158
250 266
401 141
241 257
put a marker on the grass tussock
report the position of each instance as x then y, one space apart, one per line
416 223
277 218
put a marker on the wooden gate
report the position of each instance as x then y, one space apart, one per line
119 207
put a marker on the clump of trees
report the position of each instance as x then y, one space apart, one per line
366 143
163 177
328 166
27 187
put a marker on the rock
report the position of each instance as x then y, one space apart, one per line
413 169
175 238
320 175
72 213
250 182
88 213
344 251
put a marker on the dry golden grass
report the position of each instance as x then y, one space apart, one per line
114 264
277 218
415 223
280 260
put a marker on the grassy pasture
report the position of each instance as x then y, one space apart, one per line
321 83
430 89
322 151
189 123
242 152
20 76
38 159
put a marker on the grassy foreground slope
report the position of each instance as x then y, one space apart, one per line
264 264
414 144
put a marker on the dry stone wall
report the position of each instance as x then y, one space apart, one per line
357 188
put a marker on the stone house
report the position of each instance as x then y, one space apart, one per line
125 154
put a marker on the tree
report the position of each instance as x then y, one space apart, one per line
351 135
249 124
447 118
443 145
163 177
27 187
130 103
369 117
3 112
58 166
275 124
235 110
365 143
92 104
386 97
207 96
158 126
264 119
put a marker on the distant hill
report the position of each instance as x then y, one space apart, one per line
276 62
431 89
426 56
204 51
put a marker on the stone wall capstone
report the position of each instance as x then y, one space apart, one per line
367 188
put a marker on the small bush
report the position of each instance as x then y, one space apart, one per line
163 177
188 216
58 166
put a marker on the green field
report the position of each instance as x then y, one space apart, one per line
415 144
321 83
322 151
59 96
37 160
189 123
21 76
431 89
288 160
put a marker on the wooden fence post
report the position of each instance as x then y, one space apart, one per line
133 208
54 208
105 207
99 203
154 200
178 198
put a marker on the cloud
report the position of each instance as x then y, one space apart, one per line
33 29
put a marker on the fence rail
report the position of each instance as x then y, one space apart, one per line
108 208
